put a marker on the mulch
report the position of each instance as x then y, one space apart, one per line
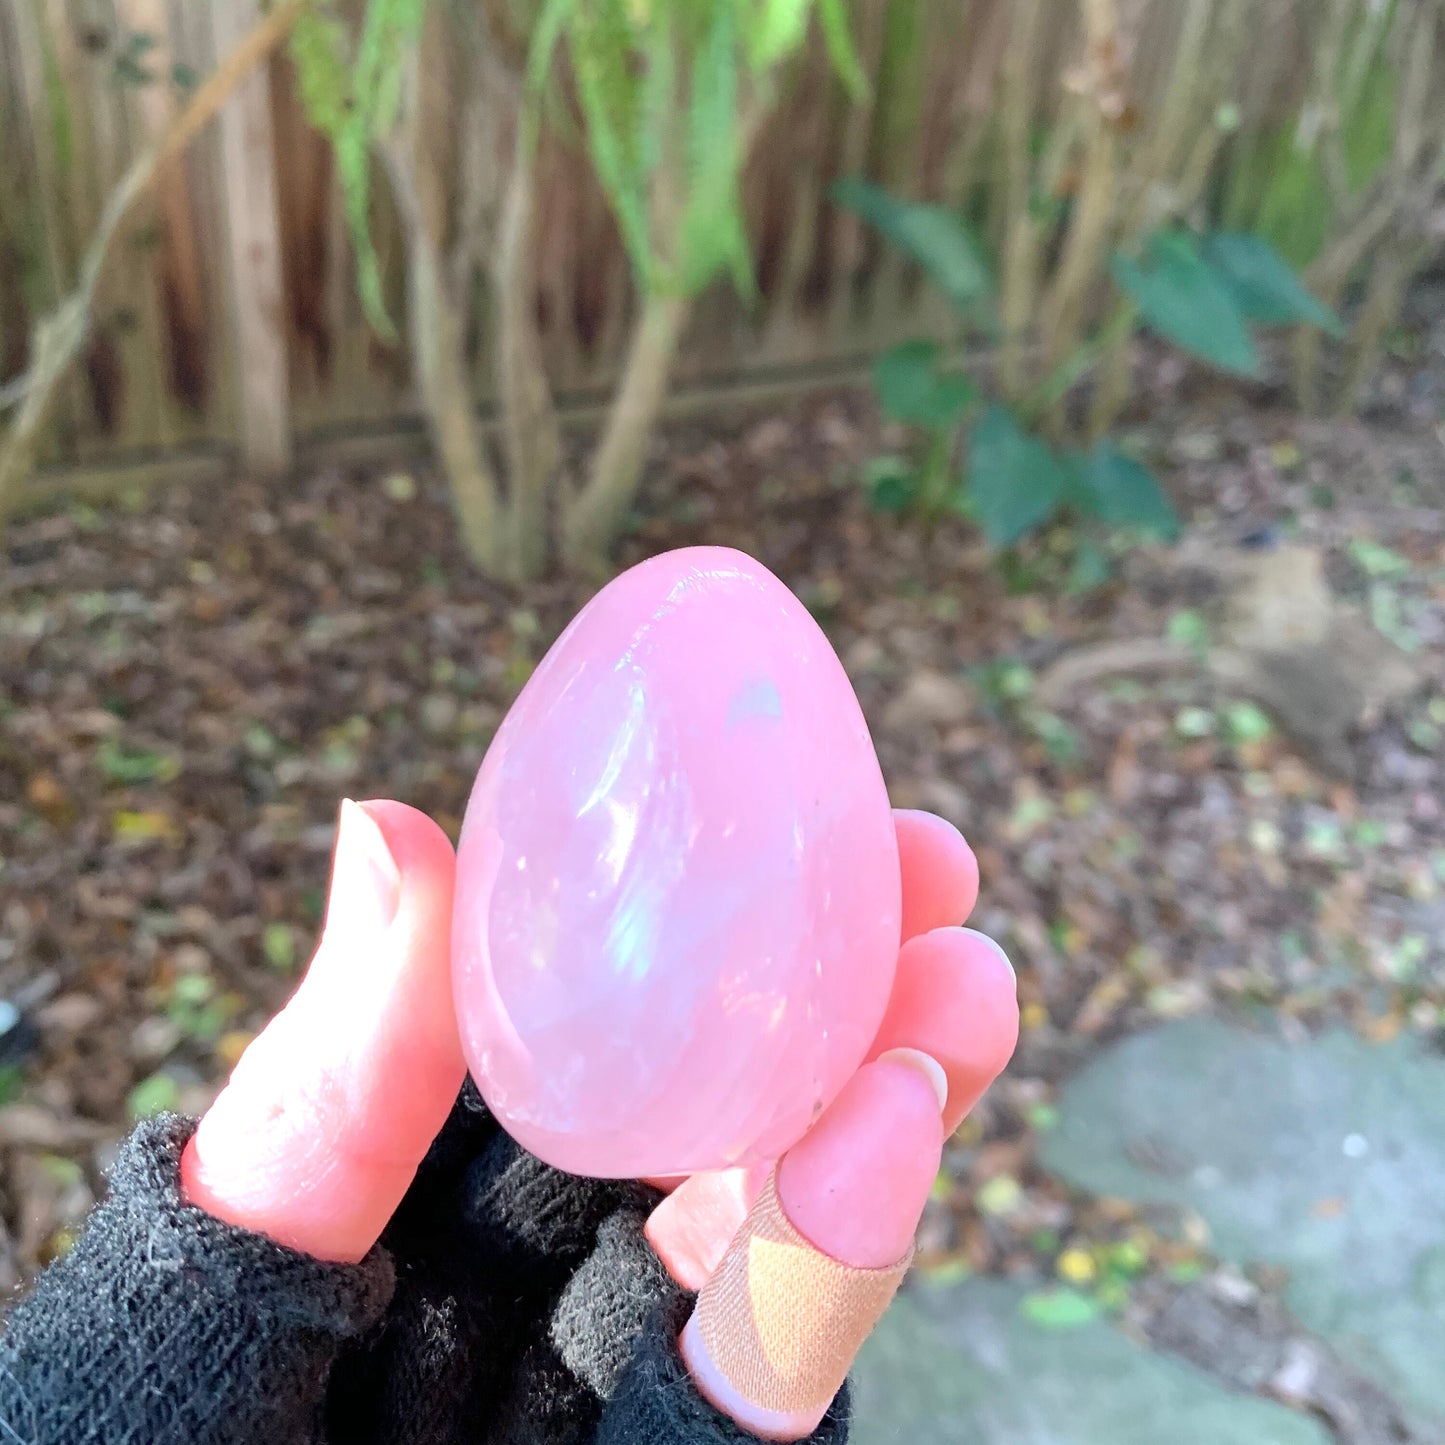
192 681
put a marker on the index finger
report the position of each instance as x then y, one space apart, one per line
939 872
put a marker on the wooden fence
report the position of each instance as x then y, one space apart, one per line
230 309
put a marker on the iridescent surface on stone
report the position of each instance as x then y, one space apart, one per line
677 911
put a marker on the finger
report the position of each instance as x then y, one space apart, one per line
691 1229
940 872
321 1128
820 1255
856 1183
955 998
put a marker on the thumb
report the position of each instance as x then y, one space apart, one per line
321 1128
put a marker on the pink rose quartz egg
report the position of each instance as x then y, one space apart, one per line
678 908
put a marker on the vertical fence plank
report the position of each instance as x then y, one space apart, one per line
253 251
168 286
85 90
135 333
191 30
854 119
15 206
47 241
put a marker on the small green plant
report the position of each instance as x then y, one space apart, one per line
1059 1309
128 766
157 1094
194 1007
683 76
351 91
987 458
669 97
278 944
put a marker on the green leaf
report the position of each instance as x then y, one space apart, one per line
712 236
317 49
1247 723
1043 1117
777 31
1263 285
1014 481
1004 680
1000 1196
353 105
125 765
932 235
1115 489
1188 628
1059 1309
547 32
892 484
1185 1271
278 944
1184 301
192 989
1061 740
387 31
155 1095
1425 735
838 37
1368 134
1388 614
625 67
1294 207
912 390
1126 1259
1376 560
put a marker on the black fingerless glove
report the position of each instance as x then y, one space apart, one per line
507 1304
164 1326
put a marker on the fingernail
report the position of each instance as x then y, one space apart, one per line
856 1183
926 1065
365 881
996 948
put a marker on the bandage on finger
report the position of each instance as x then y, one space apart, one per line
820 1256
778 1325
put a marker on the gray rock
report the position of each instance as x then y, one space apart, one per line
962 1366
1279 637
1326 1157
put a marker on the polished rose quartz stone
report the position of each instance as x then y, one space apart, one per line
677 914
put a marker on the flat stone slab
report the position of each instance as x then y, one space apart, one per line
1326 1157
961 1366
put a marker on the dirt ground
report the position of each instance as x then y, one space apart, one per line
191 683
